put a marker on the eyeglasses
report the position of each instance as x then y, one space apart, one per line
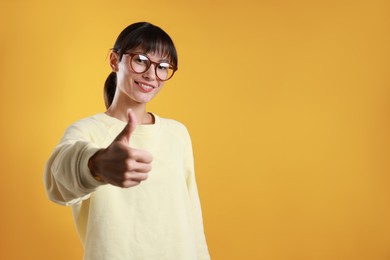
141 63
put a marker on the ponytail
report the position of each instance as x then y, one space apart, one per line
109 89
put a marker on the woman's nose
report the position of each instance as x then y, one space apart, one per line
150 73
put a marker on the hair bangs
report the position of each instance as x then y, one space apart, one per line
149 38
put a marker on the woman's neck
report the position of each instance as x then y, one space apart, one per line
120 113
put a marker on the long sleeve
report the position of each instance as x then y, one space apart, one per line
203 253
159 219
67 177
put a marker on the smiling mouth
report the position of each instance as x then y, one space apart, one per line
144 87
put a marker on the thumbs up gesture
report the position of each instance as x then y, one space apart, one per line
119 164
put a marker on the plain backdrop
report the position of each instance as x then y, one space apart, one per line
287 103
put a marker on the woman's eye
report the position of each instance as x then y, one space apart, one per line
163 66
141 59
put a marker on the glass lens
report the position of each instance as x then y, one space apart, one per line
140 63
164 71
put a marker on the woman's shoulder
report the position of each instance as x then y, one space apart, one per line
97 120
85 123
97 124
174 128
172 124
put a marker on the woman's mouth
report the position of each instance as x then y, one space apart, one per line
144 87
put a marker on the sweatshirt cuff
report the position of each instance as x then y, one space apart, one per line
87 179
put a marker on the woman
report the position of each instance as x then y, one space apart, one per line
129 174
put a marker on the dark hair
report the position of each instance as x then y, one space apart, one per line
150 38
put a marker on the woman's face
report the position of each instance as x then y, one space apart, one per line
139 87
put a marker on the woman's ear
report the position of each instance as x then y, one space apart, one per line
114 60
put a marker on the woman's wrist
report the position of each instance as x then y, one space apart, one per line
92 167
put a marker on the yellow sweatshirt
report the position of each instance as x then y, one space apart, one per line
160 219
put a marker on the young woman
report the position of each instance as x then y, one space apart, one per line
127 173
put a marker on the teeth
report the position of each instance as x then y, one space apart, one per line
146 86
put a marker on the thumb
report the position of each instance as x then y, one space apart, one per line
125 135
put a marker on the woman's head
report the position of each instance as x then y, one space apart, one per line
141 36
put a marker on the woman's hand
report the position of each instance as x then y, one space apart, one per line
119 164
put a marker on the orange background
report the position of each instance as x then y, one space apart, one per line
287 103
